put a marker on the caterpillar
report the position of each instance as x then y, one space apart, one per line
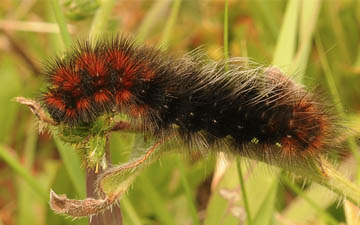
251 111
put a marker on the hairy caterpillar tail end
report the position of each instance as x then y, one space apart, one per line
256 112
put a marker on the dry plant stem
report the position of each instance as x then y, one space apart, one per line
110 216
32 26
78 208
35 108
91 206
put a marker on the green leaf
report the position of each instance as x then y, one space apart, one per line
13 87
72 164
224 206
286 43
265 213
310 201
60 19
309 16
157 202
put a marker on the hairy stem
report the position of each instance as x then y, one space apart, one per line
110 216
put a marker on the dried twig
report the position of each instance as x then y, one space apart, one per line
35 108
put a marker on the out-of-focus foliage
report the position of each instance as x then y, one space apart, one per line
29 36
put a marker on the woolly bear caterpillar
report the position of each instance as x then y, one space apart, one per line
253 112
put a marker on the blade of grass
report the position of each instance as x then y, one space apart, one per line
299 211
243 192
151 18
129 210
286 43
101 20
225 205
262 190
337 28
72 164
23 172
30 145
309 17
224 199
226 30
170 24
60 19
334 180
188 194
265 213
336 96
328 217
152 195
14 87
266 11
25 214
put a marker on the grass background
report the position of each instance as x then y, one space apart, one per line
316 40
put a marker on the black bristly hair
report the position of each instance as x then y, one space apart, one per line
252 111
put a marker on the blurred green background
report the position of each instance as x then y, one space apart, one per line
315 41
